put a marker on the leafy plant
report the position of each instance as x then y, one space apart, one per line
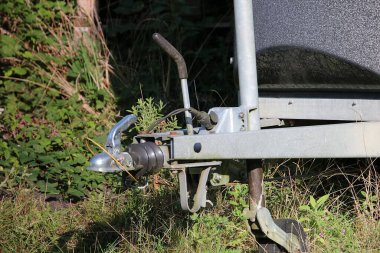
54 91
369 203
147 112
316 208
333 231
217 232
238 199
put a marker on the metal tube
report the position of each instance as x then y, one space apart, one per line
186 104
114 137
246 60
182 72
346 140
173 53
255 184
249 96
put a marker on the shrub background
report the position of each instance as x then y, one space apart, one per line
55 91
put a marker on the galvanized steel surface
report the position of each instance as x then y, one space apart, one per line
326 141
320 108
246 60
114 137
200 196
186 104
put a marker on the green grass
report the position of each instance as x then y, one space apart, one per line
152 221
131 222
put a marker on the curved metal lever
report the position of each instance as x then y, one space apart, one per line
113 142
182 72
173 53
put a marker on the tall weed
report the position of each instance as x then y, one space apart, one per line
54 92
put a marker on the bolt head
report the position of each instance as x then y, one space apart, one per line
197 147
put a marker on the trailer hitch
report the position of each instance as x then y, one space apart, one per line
145 158
103 162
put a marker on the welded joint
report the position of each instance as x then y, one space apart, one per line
250 114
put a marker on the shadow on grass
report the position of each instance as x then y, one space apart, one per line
142 223
155 222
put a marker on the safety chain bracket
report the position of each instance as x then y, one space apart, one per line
199 199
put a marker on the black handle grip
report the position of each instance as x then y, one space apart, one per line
173 53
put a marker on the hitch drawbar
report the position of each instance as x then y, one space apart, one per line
145 157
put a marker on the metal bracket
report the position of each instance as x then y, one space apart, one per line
200 197
267 226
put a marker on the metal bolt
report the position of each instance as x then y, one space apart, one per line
241 115
197 147
217 178
213 117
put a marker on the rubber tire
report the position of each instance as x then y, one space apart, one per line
289 226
